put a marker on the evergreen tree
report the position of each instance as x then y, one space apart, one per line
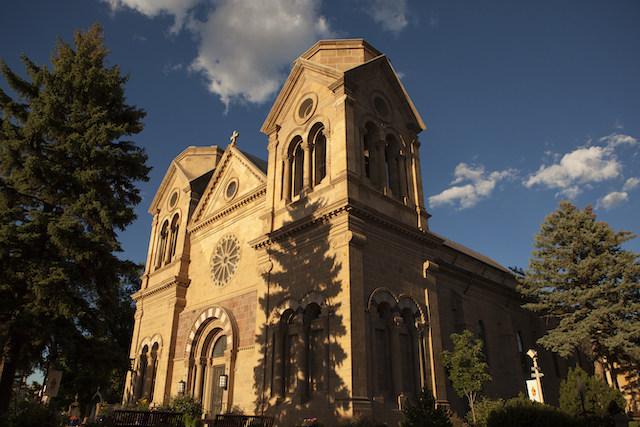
67 185
466 367
422 412
589 287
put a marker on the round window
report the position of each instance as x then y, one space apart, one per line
306 108
232 188
225 260
173 200
381 106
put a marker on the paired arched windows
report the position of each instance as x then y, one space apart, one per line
384 162
300 353
305 164
167 241
145 373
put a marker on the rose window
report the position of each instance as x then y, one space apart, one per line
225 260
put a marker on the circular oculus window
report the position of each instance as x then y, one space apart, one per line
225 260
173 199
381 106
232 189
306 108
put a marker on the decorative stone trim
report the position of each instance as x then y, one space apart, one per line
227 211
397 304
206 316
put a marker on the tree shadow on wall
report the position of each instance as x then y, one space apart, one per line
299 345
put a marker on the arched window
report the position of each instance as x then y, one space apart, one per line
140 374
523 357
482 335
383 349
173 240
305 165
319 153
371 138
408 352
162 244
395 168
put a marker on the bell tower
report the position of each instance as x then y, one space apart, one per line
344 122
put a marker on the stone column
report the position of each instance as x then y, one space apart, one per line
200 367
308 164
402 177
396 360
287 178
381 165
278 372
302 362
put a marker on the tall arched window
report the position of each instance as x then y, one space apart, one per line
383 352
371 138
482 335
173 240
319 153
395 168
523 358
162 244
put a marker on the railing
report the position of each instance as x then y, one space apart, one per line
145 418
225 420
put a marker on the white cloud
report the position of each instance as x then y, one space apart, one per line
390 14
481 186
631 184
246 47
583 166
612 200
177 8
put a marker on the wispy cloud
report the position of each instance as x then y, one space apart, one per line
246 47
480 186
617 198
390 14
583 166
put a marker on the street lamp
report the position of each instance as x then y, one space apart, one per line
181 386
536 371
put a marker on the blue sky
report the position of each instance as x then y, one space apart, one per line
525 102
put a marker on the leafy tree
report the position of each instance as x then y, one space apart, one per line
422 412
466 367
601 401
523 412
581 279
67 185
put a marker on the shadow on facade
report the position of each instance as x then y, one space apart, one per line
301 351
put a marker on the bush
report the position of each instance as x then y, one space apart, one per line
522 412
601 401
482 409
423 413
189 406
358 420
29 414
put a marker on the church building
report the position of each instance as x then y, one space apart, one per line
310 284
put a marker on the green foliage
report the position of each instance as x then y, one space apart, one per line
581 278
66 187
483 408
28 414
466 367
358 420
422 412
601 401
522 412
189 406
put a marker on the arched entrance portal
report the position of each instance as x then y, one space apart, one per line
211 352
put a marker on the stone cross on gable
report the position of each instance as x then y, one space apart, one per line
234 137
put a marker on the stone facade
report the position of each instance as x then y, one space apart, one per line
311 283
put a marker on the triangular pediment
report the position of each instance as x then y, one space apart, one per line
304 72
238 176
380 68
192 163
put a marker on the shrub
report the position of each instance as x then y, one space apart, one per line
423 413
29 414
358 420
522 412
601 401
483 408
189 406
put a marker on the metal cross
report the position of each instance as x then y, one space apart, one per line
234 137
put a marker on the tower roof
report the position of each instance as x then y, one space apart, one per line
342 54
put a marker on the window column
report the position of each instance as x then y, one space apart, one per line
308 159
286 191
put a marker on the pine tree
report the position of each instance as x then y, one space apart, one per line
587 286
466 367
67 185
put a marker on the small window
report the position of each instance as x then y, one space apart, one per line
220 347
232 188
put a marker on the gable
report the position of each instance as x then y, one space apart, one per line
238 176
192 163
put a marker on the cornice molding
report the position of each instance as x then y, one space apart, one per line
261 192
173 282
